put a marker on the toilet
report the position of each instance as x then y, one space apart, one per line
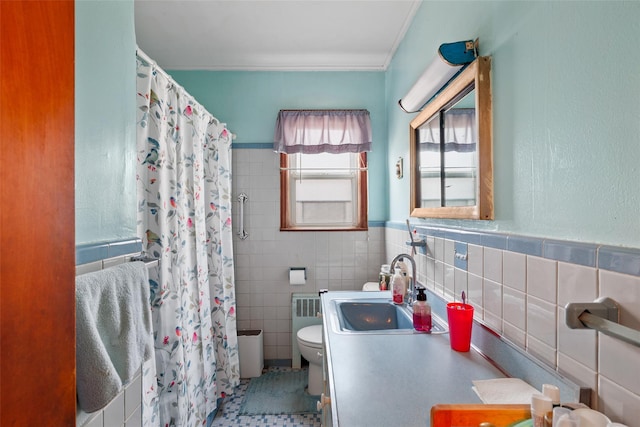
310 345
371 286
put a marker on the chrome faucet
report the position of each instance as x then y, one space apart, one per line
411 289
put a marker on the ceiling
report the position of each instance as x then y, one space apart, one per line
272 34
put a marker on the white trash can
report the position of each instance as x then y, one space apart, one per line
250 352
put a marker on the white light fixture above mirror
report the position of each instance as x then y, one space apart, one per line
451 59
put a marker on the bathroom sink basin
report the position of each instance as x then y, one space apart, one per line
376 316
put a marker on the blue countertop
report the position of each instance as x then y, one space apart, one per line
394 379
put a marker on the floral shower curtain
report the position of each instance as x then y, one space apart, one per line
184 219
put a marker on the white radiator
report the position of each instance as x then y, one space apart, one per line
304 312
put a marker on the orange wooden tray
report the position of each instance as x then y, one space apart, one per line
472 415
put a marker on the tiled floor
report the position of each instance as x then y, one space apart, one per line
228 413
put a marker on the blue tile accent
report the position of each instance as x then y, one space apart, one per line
91 252
496 241
252 145
461 249
620 260
125 247
525 245
575 253
377 223
617 259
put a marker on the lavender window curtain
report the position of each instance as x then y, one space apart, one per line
322 131
460 133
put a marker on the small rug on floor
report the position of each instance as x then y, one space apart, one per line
276 393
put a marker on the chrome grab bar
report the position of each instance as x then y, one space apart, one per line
603 316
242 198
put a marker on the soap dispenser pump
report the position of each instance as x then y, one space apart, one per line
421 312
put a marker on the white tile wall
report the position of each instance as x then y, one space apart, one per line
334 260
125 410
522 297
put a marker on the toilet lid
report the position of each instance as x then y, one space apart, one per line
311 335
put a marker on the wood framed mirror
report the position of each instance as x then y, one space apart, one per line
452 149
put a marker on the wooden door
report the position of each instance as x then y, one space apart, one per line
37 242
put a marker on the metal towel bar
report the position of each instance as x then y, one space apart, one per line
603 316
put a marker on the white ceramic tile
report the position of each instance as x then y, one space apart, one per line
96 421
493 264
576 283
431 242
492 299
493 322
475 294
542 278
578 344
460 283
541 351
132 396
514 270
135 420
88 267
114 411
624 289
516 335
579 374
438 249
449 251
449 280
112 262
475 259
513 307
618 404
541 321
620 362
439 273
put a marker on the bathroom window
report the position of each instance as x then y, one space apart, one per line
323 169
323 191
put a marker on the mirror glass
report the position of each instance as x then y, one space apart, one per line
451 151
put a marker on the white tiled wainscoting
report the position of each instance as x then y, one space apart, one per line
125 410
519 288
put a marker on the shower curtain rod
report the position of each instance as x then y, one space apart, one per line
140 53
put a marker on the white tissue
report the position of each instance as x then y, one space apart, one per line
504 390
297 276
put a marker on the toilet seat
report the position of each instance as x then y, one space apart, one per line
311 336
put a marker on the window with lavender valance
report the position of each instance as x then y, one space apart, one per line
322 131
460 132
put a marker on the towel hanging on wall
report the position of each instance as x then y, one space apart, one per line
451 59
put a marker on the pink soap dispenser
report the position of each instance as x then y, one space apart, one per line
398 286
421 312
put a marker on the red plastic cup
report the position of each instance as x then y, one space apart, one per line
460 317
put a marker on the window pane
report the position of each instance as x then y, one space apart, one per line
324 191
324 201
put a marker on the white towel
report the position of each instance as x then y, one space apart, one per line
113 331
504 390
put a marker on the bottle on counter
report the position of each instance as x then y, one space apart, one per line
398 286
384 279
405 271
540 406
421 312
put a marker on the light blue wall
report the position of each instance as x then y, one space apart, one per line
105 121
566 114
566 91
249 103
